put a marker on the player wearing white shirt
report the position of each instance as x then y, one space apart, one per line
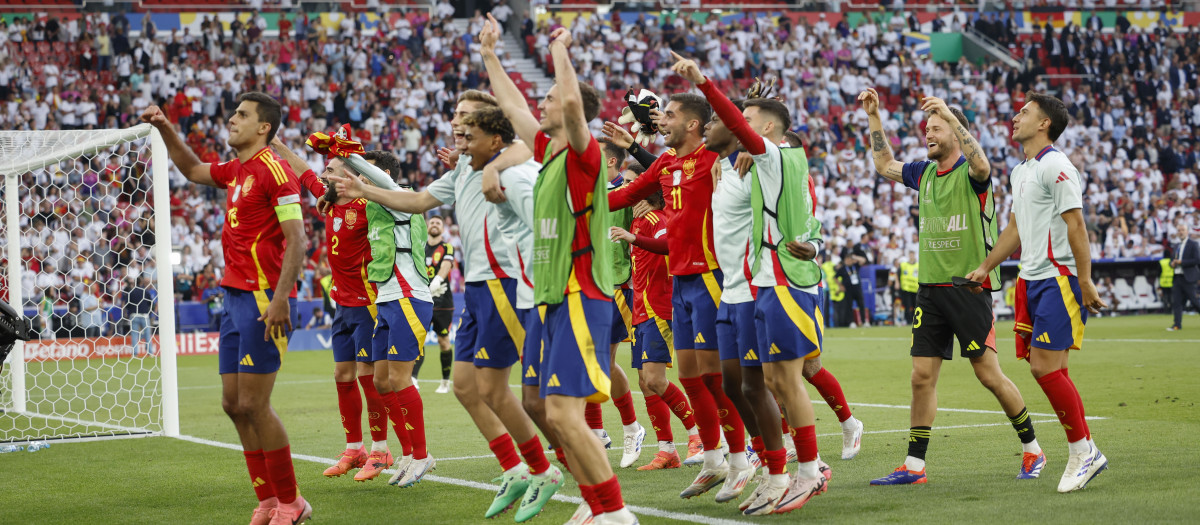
490 333
1055 283
788 319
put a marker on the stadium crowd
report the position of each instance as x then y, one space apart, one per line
1135 131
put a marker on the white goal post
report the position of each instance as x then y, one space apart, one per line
76 383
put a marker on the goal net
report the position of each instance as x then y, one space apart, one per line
87 256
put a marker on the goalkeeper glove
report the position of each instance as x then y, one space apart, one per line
438 286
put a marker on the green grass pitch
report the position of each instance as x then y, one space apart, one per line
1140 379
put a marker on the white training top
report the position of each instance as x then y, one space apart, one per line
770 178
1043 188
483 246
516 223
735 221
391 290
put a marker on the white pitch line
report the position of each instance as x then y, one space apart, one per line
940 409
901 339
645 511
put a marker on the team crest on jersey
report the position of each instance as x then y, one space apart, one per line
249 182
676 176
689 167
351 219
337 223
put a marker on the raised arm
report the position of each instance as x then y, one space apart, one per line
184 158
733 119
617 135
575 123
308 179
512 101
629 194
885 163
980 168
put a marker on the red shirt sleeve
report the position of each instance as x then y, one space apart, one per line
309 180
223 172
641 187
541 142
652 244
733 119
286 193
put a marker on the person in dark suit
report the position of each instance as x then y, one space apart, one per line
1187 272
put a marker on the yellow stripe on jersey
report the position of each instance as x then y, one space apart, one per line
709 256
274 166
587 349
799 317
262 277
414 322
507 314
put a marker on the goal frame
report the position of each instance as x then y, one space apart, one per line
162 252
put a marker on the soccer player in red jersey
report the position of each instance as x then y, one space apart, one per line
572 293
683 174
264 244
349 250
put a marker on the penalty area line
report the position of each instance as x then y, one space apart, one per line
636 509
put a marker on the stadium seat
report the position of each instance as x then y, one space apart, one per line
1145 293
1126 298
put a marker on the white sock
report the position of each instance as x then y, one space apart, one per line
778 480
1079 447
354 446
515 470
713 458
632 429
694 431
666 446
600 433
1031 448
737 460
379 446
1092 442
850 423
808 469
914 464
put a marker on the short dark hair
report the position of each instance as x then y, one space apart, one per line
491 120
269 110
591 102
385 160
793 139
1053 109
656 200
635 167
694 105
962 118
475 95
772 107
614 151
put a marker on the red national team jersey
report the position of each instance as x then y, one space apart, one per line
349 249
252 238
687 186
582 171
651 283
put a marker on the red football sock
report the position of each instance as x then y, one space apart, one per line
678 404
775 460
1083 413
805 439
609 494
414 420
350 406
756 442
395 412
660 418
704 410
1065 400
561 454
376 412
588 492
534 456
625 407
731 421
283 477
594 416
831 390
260 477
505 452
